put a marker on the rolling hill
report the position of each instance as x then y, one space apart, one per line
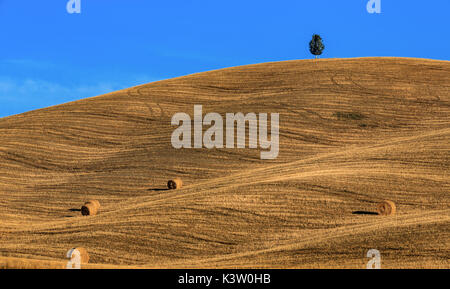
353 132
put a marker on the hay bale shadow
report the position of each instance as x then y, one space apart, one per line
75 210
364 213
157 189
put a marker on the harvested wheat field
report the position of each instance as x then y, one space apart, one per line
353 133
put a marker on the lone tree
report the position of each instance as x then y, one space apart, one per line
316 46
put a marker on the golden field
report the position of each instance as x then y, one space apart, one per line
353 132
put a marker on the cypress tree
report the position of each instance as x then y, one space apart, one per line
316 46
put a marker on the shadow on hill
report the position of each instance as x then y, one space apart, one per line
364 213
75 210
158 190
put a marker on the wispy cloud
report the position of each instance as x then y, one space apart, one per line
11 89
27 84
27 63
20 95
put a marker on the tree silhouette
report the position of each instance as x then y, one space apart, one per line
316 46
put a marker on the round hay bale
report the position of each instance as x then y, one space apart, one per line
89 209
83 254
386 208
174 184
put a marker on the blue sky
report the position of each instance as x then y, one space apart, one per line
48 56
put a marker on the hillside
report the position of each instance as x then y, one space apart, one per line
353 132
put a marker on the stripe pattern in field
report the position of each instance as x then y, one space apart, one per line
353 132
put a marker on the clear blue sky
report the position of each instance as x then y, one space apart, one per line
48 56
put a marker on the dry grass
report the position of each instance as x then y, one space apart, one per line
353 133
